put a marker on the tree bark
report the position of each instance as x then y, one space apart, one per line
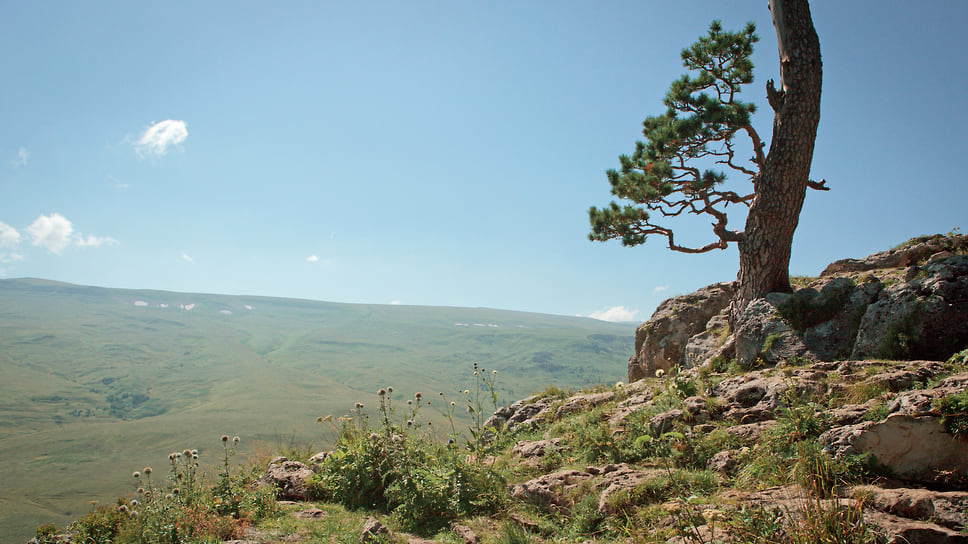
780 187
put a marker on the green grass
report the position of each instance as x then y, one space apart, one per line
95 387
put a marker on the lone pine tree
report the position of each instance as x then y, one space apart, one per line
666 174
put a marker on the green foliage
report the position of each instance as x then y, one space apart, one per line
954 408
681 484
814 522
702 118
512 533
99 526
46 534
182 508
399 466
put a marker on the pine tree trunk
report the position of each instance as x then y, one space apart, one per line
764 251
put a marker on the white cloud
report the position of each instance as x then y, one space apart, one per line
615 314
312 259
159 137
660 289
9 236
55 232
51 231
94 241
10 257
225 312
187 258
395 302
22 155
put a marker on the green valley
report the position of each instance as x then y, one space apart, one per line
101 382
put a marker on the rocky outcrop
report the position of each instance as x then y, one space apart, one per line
926 317
660 342
906 303
910 253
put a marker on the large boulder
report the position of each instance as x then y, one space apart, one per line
762 334
925 318
915 447
660 342
289 478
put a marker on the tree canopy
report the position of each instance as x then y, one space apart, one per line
680 168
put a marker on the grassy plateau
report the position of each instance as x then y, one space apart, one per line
100 382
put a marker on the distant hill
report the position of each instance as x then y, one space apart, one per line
100 382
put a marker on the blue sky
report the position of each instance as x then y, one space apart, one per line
432 153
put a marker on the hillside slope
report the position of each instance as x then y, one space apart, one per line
98 380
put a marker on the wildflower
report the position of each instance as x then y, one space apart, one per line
374 436
467 391
619 384
134 513
359 405
225 438
475 373
147 471
141 491
194 452
134 502
441 393
494 372
169 497
382 392
389 389
450 442
409 422
123 508
319 419
236 440
176 491
328 418
452 403
195 458
173 456
187 452
409 402
659 373
418 395
136 474
430 423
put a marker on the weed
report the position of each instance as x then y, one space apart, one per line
512 533
400 466
954 409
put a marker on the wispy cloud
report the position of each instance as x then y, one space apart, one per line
22 155
94 241
312 259
660 289
157 139
118 184
395 302
187 258
55 232
9 237
615 314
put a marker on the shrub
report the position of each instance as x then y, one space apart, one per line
954 408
